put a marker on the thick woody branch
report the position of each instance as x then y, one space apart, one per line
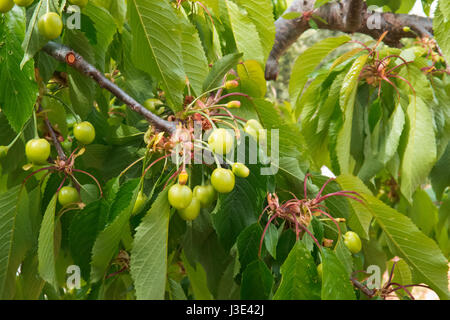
347 16
353 17
73 59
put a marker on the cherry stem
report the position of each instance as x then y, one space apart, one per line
260 216
176 173
323 187
233 94
401 287
310 234
146 169
304 185
62 183
95 179
116 273
392 272
403 79
37 171
332 219
264 232
225 115
340 193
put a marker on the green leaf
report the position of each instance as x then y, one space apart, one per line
293 155
441 25
347 102
81 88
117 9
83 231
219 70
176 290
248 244
423 212
197 279
271 240
106 244
405 240
149 253
245 33
238 209
444 6
300 280
156 46
194 59
382 143
103 22
202 247
251 79
291 15
420 152
260 13
56 114
440 175
257 282
46 246
18 90
308 61
8 212
336 284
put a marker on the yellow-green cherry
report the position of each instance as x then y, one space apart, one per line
223 180
6 5
37 151
23 3
50 25
191 211
84 132
180 196
68 195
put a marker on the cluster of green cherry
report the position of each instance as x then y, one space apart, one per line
38 151
209 111
188 202
50 24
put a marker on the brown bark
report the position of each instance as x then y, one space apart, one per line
73 59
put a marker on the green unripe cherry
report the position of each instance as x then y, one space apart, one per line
352 241
50 25
151 104
180 196
221 141
68 195
23 3
205 194
240 170
37 151
140 202
6 5
223 180
253 127
84 132
3 151
320 270
191 211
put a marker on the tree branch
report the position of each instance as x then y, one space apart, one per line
56 143
353 16
347 16
76 61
